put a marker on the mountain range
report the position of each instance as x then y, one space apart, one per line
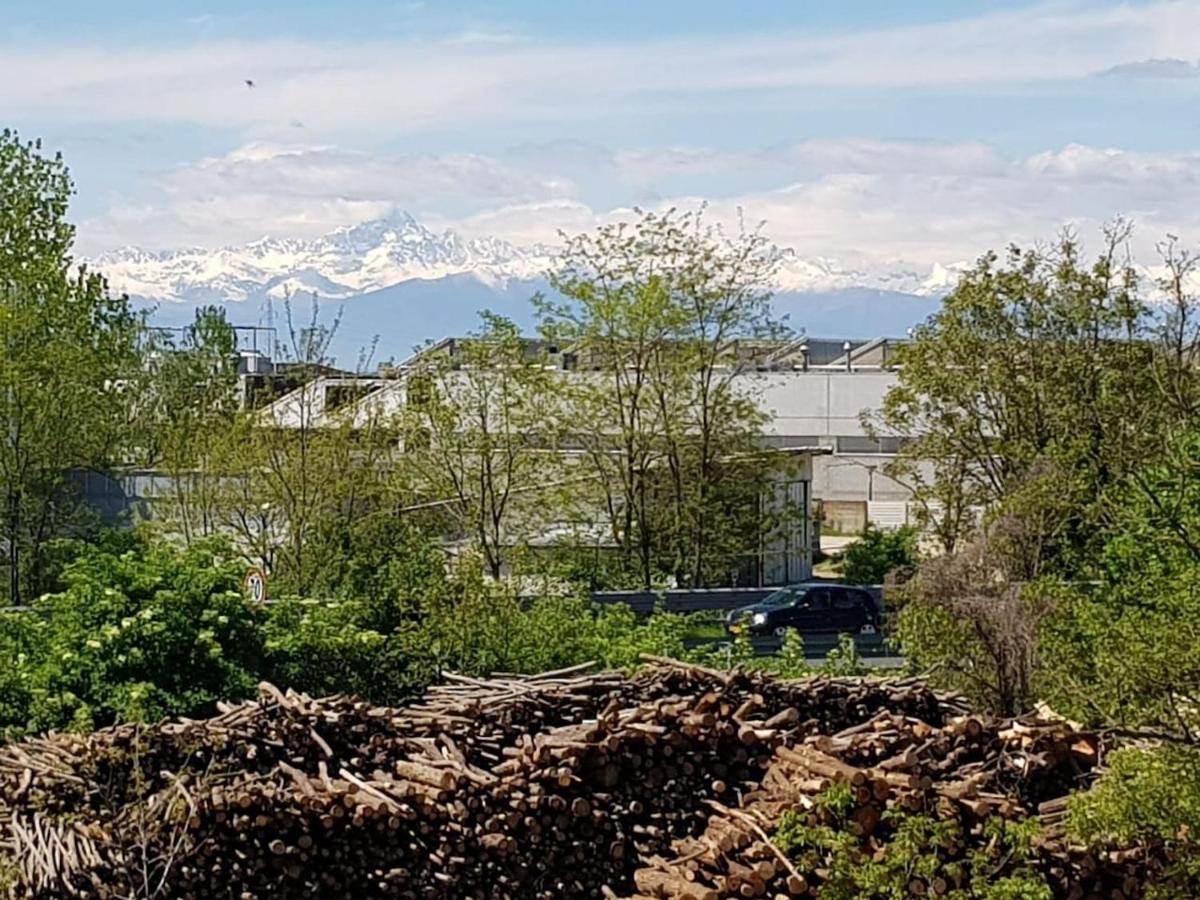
404 283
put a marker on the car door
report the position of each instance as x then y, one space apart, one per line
816 610
791 612
869 609
846 615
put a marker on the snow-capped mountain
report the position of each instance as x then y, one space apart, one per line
821 275
346 262
364 259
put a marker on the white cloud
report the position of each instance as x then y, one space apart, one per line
304 191
862 202
1153 68
923 216
406 86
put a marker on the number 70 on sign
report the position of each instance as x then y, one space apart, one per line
255 585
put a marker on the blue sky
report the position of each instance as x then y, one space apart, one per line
868 131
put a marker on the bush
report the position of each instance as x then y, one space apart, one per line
876 553
139 631
19 642
1150 794
143 629
328 647
912 845
484 627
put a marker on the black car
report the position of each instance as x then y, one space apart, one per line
808 608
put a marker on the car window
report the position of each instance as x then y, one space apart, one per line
818 598
845 600
782 597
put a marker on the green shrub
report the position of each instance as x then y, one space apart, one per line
876 553
844 660
140 630
484 627
1150 794
327 647
914 847
20 640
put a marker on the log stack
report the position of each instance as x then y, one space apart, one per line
568 784
969 772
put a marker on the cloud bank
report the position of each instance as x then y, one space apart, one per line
859 201
411 86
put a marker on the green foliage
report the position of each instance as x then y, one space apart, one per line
188 401
657 311
791 661
619 638
475 441
1144 793
877 553
291 483
1127 649
139 631
844 659
327 647
592 569
915 848
486 627
1040 361
1148 794
19 636
391 564
67 351
10 873
144 629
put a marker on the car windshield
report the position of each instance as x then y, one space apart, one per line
782 597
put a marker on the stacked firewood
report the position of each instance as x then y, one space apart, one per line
568 784
969 772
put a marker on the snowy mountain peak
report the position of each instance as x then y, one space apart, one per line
348 261
374 255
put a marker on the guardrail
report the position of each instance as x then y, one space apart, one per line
700 599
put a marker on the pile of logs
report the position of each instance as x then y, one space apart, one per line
567 784
968 772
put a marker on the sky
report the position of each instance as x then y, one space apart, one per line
870 131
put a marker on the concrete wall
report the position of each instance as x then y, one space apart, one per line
819 407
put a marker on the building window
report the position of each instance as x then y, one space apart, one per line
884 446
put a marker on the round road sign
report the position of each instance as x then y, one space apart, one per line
256 586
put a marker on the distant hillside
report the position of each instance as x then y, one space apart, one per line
405 315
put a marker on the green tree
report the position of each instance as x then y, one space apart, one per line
661 317
68 351
1041 362
189 404
139 631
325 647
481 430
293 480
1126 649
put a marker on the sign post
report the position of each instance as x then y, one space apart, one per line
255 585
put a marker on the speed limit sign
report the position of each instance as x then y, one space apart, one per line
256 586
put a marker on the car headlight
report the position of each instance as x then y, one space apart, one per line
759 619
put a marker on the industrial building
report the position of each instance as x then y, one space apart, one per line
814 392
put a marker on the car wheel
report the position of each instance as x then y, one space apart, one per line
781 631
867 628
